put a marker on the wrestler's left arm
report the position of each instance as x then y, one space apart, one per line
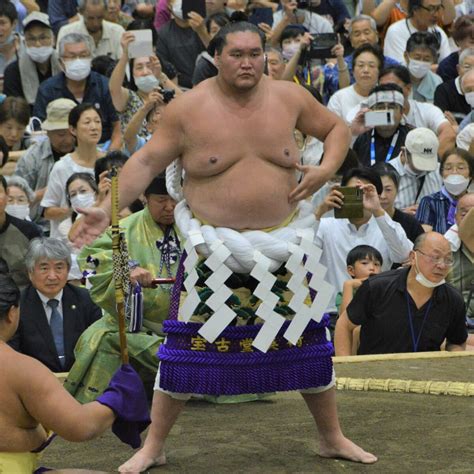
317 121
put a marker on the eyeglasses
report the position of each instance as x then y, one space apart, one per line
42 39
448 261
433 8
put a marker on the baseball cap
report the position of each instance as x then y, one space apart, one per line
38 17
57 114
422 143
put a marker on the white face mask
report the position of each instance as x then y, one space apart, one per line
418 69
146 83
20 211
469 96
81 201
177 9
78 69
456 184
289 50
422 280
41 54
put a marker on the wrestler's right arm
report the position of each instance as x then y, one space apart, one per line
52 406
343 335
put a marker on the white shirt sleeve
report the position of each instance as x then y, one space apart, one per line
433 116
334 104
55 195
398 244
452 236
444 50
395 43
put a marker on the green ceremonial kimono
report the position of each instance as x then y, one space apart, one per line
98 350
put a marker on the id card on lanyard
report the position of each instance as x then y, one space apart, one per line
390 150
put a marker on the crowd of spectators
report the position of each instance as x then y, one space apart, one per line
76 99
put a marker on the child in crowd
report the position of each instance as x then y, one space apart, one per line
362 262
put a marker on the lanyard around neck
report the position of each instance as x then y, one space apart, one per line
390 150
416 340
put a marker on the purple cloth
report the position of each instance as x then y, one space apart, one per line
452 207
126 396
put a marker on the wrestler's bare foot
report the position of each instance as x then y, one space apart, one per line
142 460
344 448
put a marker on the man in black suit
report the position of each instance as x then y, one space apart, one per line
53 313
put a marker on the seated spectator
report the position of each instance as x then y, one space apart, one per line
104 36
421 53
82 192
294 43
422 16
114 14
14 118
150 113
384 142
390 182
387 12
375 228
15 236
420 114
36 62
62 12
462 274
205 67
53 313
418 168
146 76
81 85
86 126
368 61
37 162
463 35
10 42
407 310
362 262
275 63
450 96
20 197
467 84
179 44
437 211
362 30
290 14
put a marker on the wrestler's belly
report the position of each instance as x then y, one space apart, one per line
248 195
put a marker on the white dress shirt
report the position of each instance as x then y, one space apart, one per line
337 237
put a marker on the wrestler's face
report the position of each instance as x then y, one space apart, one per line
161 207
241 62
49 276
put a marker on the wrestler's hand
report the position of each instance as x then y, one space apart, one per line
313 179
93 223
142 276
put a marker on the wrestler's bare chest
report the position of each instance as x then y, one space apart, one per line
218 136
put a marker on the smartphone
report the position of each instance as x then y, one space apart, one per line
353 205
261 15
321 45
376 118
198 6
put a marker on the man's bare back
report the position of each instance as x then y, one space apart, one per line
20 431
239 159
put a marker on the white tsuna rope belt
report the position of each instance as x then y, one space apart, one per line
258 253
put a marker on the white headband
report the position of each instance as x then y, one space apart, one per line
386 97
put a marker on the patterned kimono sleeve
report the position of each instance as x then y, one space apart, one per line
97 258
